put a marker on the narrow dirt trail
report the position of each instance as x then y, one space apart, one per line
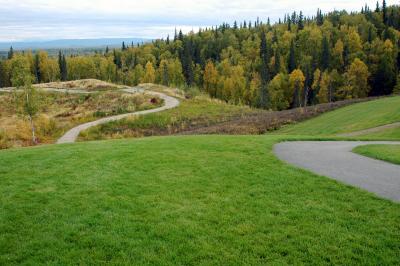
370 130
335 159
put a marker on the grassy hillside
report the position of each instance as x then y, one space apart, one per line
200 111
390 153
389 133
210 200
351 118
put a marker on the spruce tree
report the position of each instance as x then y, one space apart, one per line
60 65
377 9
64 74
277 66
320 18
384 13
292 58
264 71
300 23
10 53
37 68
325 54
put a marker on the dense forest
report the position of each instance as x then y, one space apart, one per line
295 62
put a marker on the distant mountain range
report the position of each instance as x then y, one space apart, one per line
71 43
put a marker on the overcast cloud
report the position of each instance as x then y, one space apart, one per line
62 19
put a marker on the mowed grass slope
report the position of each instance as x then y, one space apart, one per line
351 118
206 200
389 153
388 133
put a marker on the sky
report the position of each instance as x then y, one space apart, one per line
34 20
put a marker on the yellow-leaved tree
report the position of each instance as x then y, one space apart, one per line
149 74
356 81
210 78
296 85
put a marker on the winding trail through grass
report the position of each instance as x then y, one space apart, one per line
336 160
71 135
169 103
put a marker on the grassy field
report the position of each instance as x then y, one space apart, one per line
389 153
197 112
207 200
351 118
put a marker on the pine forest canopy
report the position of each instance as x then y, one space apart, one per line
295 62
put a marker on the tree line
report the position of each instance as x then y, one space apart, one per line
295 62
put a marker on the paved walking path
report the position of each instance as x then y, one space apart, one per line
335 159
169 103
72 134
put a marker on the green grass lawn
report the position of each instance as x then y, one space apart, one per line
209 200
351 118
390 153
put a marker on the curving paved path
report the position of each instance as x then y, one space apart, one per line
335 159
169 103
72 134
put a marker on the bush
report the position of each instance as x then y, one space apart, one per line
4 141
45 126
192 92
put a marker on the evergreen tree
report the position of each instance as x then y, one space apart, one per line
264 71
180 36
117 59
107 50
64 73
123 46
10 53
291 58
384 13
325 54
277 65
300 23
187 61
320 18
36 68
60 65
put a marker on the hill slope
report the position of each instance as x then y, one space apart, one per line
351 118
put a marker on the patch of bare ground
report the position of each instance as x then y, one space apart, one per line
370 130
